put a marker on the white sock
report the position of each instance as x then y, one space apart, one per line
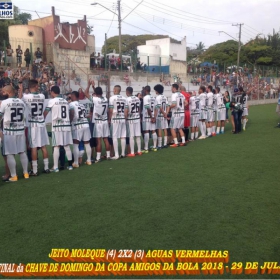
196 134
55 157
208 130
123 143
131 143
155 139
244 123
81 153
46 163
34 166
218 129
146 141
98 156
108 154
192 135
76 153
24 162
160 141
69 153
116 147
88 151
200 128
165 140
183 139
204 129
12 164
138 141
222 129
175 141
214 129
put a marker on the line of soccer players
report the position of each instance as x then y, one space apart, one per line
95 118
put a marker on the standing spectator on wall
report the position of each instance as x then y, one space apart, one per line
38 56
19 56
27 57
9 55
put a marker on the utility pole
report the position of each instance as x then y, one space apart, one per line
239 46
105 53
120 31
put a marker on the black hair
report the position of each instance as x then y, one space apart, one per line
129 89
159 88
98 91
55 90
148 88
175 86
118 86
202 88
210 87
76 94
218 89
32 83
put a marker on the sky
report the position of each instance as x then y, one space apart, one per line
199 20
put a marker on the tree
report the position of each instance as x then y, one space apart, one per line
200 47
89 28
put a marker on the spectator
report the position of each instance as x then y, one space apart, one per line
9 54
113 62
27 57
38 56
9 73
226 100
19 56
51 69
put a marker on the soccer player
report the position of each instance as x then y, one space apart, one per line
61 127
187 112
210 113
80 128
12 111
118 112
133 127
178 115
203 112
194 108
221 112
245 111
161 110
100 120
149 120
37 132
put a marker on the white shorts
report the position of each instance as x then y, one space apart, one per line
245 112
61 138
210 115
118 130
101 130
148 126
37 137
133 129
38 60
177 122
81 134
194 119
221 114
14 144
161 123
203 114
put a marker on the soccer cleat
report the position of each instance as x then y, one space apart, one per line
154 149
61 168
5 179
201 137
123 156
222 132
209 136
174 145
47 171
56 169
165 146
115 158
13 179
98 160
75 166
145 152
138 154
191 140
70 168
108 158
182 144
159 148
131 155
26 175
244 129
93 160
217 133
88 162
214 134
33 174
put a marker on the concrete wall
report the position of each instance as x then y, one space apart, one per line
91 43
178 67
179 51
163 43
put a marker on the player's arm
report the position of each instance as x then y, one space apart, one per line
110 111
173 102
90 82
72 113
48 109
186 103
20 90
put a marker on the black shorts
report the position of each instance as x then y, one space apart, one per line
110 140
127 140
92 140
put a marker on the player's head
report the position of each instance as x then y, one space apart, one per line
201 89
117 89
33 85
55 91
8 91
158 89
209 88
174 88
98 91
75 95
129 91
182 88
147 90
217 89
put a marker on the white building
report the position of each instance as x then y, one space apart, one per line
163 56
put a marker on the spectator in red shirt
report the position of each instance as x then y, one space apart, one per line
187 112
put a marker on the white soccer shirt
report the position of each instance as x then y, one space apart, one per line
133 104
118 103
100 109
161 102
87 104
178 99
202 98
210 100
219 101
59 108
12 111
148 103
35 106
79 119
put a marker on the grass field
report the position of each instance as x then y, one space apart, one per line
216 194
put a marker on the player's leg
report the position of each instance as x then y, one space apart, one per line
11 162
88 152
69 156
122 135
159 135
107 147
173 127
81 151
146 132
24 164
45 159
76 152
114 134
232 121
130 139
165 137
218 121
181 130
202 129
98 149
155 138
